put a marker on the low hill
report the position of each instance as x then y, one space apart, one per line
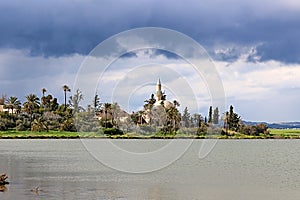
279 125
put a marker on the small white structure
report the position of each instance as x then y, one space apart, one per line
10 111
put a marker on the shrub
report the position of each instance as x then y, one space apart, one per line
7 121
112 131
262 128
68 125
254 130
249 130
39 125
3 127
21 127
146 129
88 128
106 123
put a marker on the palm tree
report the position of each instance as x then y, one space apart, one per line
44 90
13 103
46 101
149 102
38 125
176 103
66 89
31 104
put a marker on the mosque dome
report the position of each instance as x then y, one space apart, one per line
168 104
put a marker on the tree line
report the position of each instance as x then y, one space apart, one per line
38 114
45 113
228 123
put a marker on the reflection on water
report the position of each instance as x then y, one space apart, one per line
235 169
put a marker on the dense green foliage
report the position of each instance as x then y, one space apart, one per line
112 131
45 117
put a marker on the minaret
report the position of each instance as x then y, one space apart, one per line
158 91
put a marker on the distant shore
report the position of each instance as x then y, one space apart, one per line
274 134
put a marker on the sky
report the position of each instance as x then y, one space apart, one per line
254 46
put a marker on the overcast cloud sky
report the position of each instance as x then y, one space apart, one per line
255 45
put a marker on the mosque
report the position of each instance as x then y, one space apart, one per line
157 112
154 114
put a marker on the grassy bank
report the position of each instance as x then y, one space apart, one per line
51 134
285 133
274 134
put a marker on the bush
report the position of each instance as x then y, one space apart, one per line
23 122
146 129
88 128
21 127
249 130
107 124
68 125
112 131
262 128
7 121
254 130
86 122
39 125
3 127
52 120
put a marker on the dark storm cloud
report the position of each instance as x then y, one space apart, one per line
152 53
56 28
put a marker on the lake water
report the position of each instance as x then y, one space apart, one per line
234 170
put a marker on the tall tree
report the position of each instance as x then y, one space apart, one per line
231 112
186 117
32 103
226 122
173 118
115 111
216 116
149 102
53 104
13 103
233 120
197 119
96 103
210 115
46 100
44 90
75 101
66 89
107 109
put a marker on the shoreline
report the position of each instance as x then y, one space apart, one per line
274 134
120 137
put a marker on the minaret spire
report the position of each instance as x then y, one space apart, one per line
158 91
